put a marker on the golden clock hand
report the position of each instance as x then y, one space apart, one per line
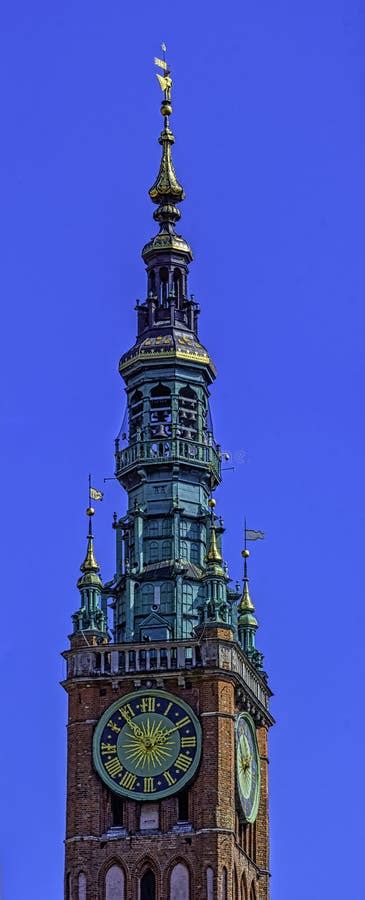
135 728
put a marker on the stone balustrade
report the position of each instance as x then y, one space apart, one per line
164 656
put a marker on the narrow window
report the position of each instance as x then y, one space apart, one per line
194 554
82 886
153 555
148 886
210 883
115 884
164 278
166 550
180 883
117 811
183 806
183 549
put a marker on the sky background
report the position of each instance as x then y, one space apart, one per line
269 125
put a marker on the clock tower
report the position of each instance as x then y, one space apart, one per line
168 713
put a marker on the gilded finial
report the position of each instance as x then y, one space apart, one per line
166 189
245 605
213 557
90 564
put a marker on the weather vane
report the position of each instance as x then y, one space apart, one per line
165 80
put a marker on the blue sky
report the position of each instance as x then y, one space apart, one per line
269 132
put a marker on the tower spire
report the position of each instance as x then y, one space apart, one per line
90 617
247 622
166 190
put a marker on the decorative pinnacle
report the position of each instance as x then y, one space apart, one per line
213 556
90 564
245 605
166 190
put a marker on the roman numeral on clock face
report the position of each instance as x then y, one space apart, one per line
148 704
183 762
188 741
170 780
108 748
113 766
127 712
114 726
128 781
182 722
148 785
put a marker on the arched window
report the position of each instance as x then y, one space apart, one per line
166 527
147 598
178 286
194 531
160 412
148 886
153 554
187 609
187 599
82 886
152 283
135 413
183 528
194 554
184 550
164 286
166 549
153 528
253 892
224 885
115 884
210 883
187 413
180 883
167 597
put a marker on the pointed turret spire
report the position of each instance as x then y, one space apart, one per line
214 556
166 190
247 622
90 617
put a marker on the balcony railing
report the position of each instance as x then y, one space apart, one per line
162 657
169 450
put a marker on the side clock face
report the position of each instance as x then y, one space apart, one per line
147 745
247 767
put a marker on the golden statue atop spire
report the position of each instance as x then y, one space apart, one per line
166 187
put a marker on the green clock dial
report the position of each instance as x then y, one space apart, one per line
147 744
247 767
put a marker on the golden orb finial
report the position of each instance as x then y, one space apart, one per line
90 511
245 553
212 502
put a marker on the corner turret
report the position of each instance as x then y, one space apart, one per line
90 619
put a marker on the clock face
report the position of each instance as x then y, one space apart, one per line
247 767
147 744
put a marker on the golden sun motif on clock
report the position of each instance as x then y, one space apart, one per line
147 744
247 767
